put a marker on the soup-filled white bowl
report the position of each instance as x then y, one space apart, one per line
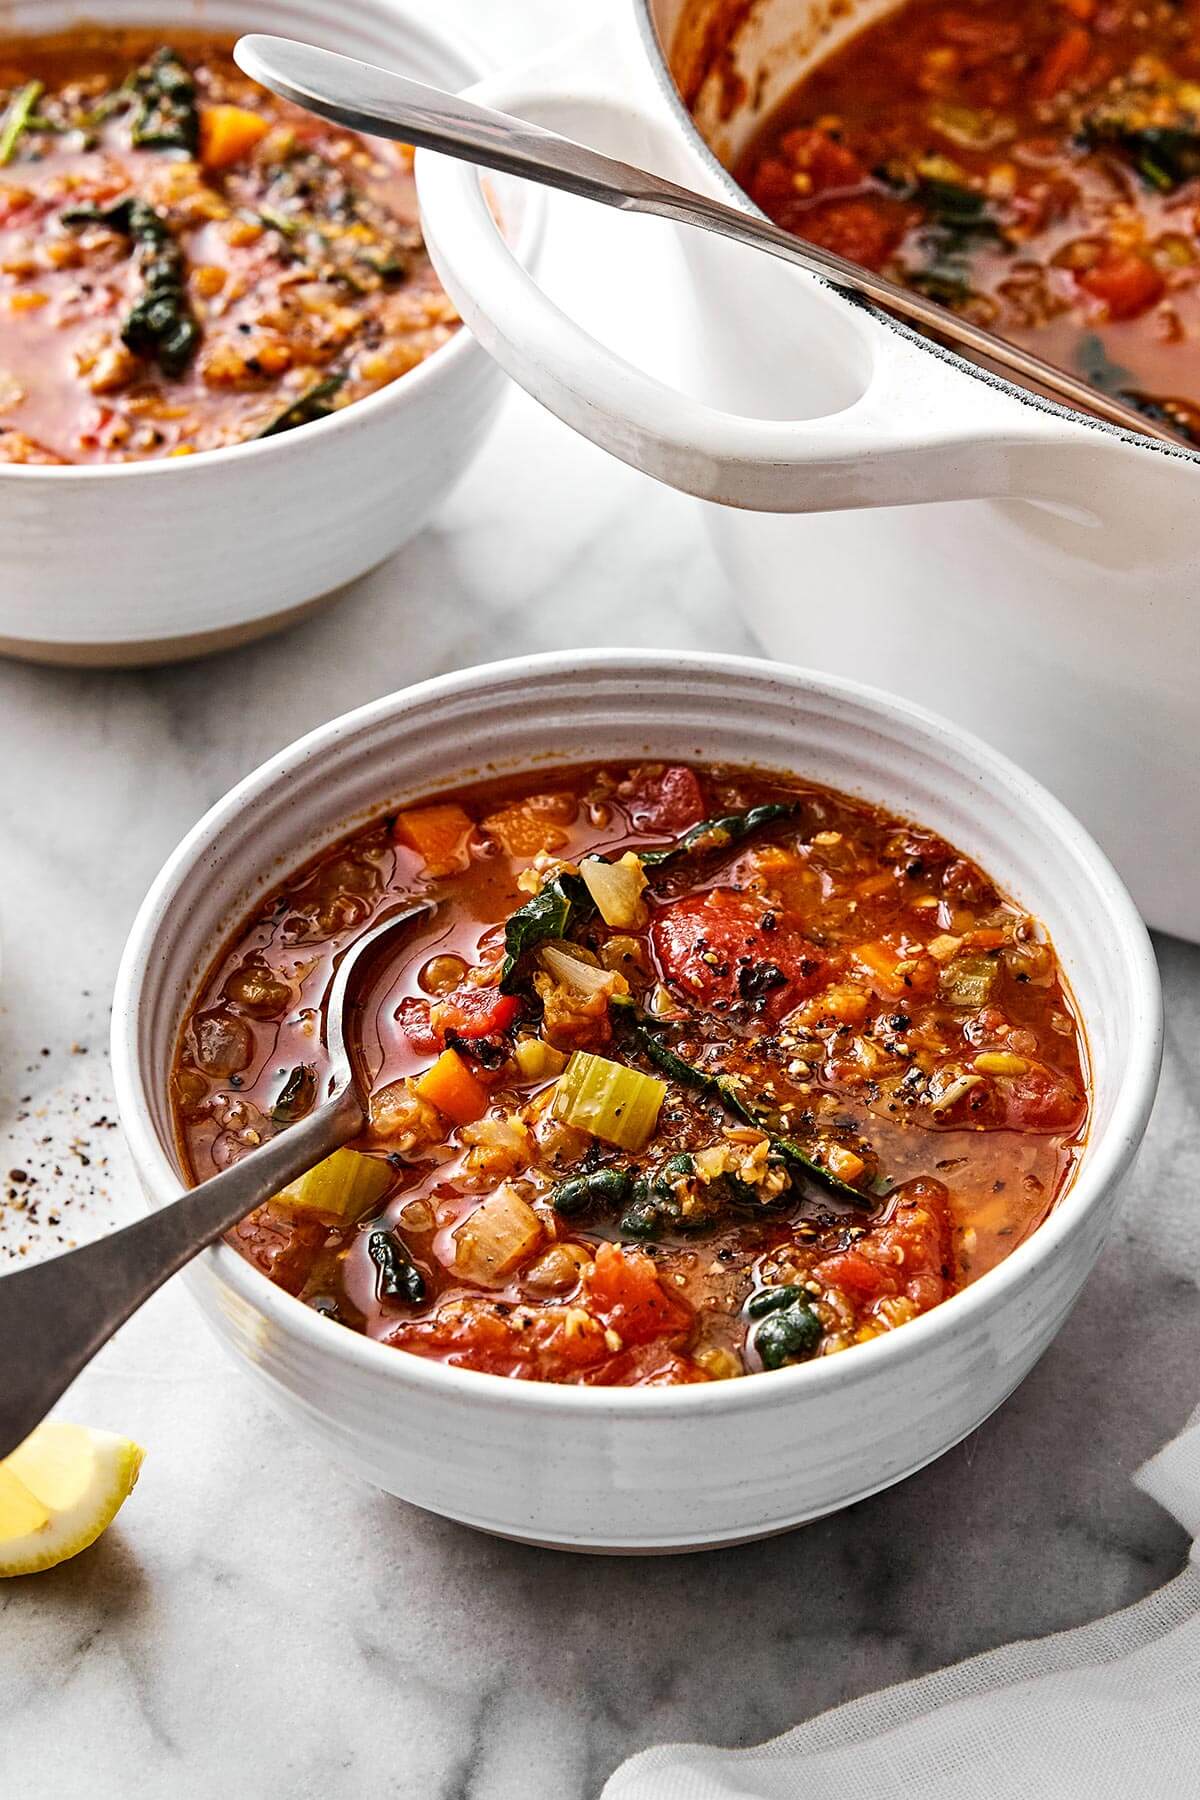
1032 573
628 1469
144 562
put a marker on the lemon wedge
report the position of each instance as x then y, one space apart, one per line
59 1490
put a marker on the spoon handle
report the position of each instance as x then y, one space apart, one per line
55 1315
384 104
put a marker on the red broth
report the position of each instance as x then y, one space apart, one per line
187 262
1033 164
848 1077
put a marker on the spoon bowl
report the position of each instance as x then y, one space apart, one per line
55 1315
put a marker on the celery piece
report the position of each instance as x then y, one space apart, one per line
611 1101
343 1187
969 980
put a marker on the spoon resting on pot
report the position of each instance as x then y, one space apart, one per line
55 1315
383 104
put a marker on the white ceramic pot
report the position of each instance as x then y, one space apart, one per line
1029 572
138 563
629 1469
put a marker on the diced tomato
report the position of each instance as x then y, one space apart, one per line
469 1012
474 1012
827 163
909 1254
724 948
1041 1099
415 1022
553 1344
1065 59
981 32
1127 284
625 1293
669 801
864 230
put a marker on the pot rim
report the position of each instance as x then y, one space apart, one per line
1102 1166
469 65
660 68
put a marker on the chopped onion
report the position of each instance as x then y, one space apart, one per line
567 965
616 888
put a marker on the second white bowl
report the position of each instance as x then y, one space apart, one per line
146 562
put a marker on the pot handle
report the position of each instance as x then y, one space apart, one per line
915 434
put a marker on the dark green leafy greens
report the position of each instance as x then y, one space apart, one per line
296 1096
306 408
1096 366
166 116
398 1277
721 1087
602 1187
159 324
784 1336
718 834
18 117
557 906
956 221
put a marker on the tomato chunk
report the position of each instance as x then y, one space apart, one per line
910 1254
1042 1099
1126 284
864 231
670 800
469 1012
625 1292
722 948
825 162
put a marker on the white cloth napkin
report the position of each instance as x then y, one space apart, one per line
1110 1711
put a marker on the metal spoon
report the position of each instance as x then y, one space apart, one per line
384 104
55 1315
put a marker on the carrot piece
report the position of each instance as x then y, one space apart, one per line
450 1086
440 835
881 962
1127 284
1063 61
227 134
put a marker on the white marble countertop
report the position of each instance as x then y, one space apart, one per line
256 1623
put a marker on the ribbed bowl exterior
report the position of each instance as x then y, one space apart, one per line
121 558
630 1470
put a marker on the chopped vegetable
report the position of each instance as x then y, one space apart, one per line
228 134
398 1276
969 981
307 408
567 965
498 1235
616 889
560 903
166 116
610 1100
719 834
343 1187
440 835
603 1187
160 323
450 1086
17 115
537 1060
788 1335
296 1096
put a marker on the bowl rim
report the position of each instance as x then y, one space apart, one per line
459 50
1099 1171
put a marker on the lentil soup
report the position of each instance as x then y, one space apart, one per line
1032 164
693 1072
187 262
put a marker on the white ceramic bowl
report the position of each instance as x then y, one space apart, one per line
1032 573
145 562
590 1468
